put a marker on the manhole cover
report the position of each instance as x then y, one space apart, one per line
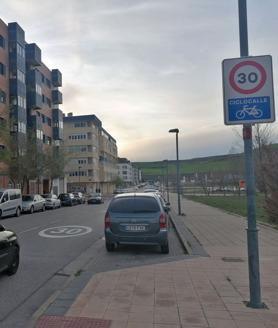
232 259
70 322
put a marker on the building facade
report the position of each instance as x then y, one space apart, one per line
29 97
125 171
92 153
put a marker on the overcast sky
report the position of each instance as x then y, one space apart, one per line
145 66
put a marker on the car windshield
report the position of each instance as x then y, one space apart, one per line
46 196
64 196
134 205
95 195
27 198
1 193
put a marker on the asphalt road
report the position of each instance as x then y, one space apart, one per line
52 244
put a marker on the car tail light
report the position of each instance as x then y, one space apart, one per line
163 221
107 221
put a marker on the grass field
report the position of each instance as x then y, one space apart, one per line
233 204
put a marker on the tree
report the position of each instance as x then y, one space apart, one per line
55 161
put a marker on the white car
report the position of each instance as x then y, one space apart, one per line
51 201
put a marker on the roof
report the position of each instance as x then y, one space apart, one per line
81 118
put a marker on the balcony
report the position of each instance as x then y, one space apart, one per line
57 97
56 78
34 91
57 119
33 54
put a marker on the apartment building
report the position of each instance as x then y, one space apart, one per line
4 92
125 171
29 97
92 155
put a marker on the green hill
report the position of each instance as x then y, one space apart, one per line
191 166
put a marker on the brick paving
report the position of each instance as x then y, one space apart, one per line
197 292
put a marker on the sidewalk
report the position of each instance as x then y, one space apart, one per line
206 289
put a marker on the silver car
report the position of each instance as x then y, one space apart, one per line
33 203
52 201
136 218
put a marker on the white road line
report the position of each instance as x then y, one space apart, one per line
31 229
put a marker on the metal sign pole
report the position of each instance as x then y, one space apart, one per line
252 231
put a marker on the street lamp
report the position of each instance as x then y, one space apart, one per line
167 179
176 131
79 167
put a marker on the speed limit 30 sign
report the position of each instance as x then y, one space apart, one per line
248 90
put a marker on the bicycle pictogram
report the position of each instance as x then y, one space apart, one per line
254 112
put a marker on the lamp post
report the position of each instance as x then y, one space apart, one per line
167 179
176 131
79 167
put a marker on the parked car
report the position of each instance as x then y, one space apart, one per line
9 251
52 201
32 203
80 197
68 199
95 198
136 218
10 202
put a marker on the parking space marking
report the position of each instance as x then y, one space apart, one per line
65 231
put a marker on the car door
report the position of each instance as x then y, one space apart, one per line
4 249
5 204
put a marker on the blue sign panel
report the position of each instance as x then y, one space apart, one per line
246 109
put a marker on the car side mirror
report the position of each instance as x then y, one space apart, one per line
2 228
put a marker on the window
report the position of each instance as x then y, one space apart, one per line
43 99
20 50
20 76
2 69
79 124
48 82
49 121
38 89
48 101
43 79
2 97
134 205
2 42
21 127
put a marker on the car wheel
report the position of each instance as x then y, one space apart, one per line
12 269
31 210
110 247
43 208
165 248
18 212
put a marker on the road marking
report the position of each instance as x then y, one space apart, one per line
65 231
31 229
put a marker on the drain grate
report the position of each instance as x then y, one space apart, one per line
232 259
69 322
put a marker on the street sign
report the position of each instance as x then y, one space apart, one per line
248 90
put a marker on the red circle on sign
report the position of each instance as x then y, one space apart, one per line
259 67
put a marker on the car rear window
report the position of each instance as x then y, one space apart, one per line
27 198
134 205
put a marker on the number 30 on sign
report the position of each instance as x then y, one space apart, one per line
248 90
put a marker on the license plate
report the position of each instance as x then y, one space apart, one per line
135 228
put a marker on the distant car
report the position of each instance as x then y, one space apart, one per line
32 203
150 190
95 198
68 199
80 197
52 201
136 218
9 251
